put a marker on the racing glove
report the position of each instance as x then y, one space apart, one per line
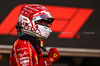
53 55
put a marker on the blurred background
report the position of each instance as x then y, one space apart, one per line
76 30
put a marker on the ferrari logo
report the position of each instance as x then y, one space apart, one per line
55 55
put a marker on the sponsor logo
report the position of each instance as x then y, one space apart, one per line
23 58
24 62
20 49
23 54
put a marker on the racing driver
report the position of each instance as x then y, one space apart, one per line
33 27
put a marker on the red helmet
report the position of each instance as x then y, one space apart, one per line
28 17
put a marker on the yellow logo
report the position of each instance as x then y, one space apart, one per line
55 55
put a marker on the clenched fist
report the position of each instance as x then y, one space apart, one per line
53 54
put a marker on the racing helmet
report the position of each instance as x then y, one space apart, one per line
28 19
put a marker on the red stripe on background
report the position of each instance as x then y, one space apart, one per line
61 12
57 26
76 23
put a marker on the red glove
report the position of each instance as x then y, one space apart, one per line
53 54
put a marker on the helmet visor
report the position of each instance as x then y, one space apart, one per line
46 16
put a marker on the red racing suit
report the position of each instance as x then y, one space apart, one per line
24 53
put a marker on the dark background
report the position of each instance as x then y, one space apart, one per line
86 40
